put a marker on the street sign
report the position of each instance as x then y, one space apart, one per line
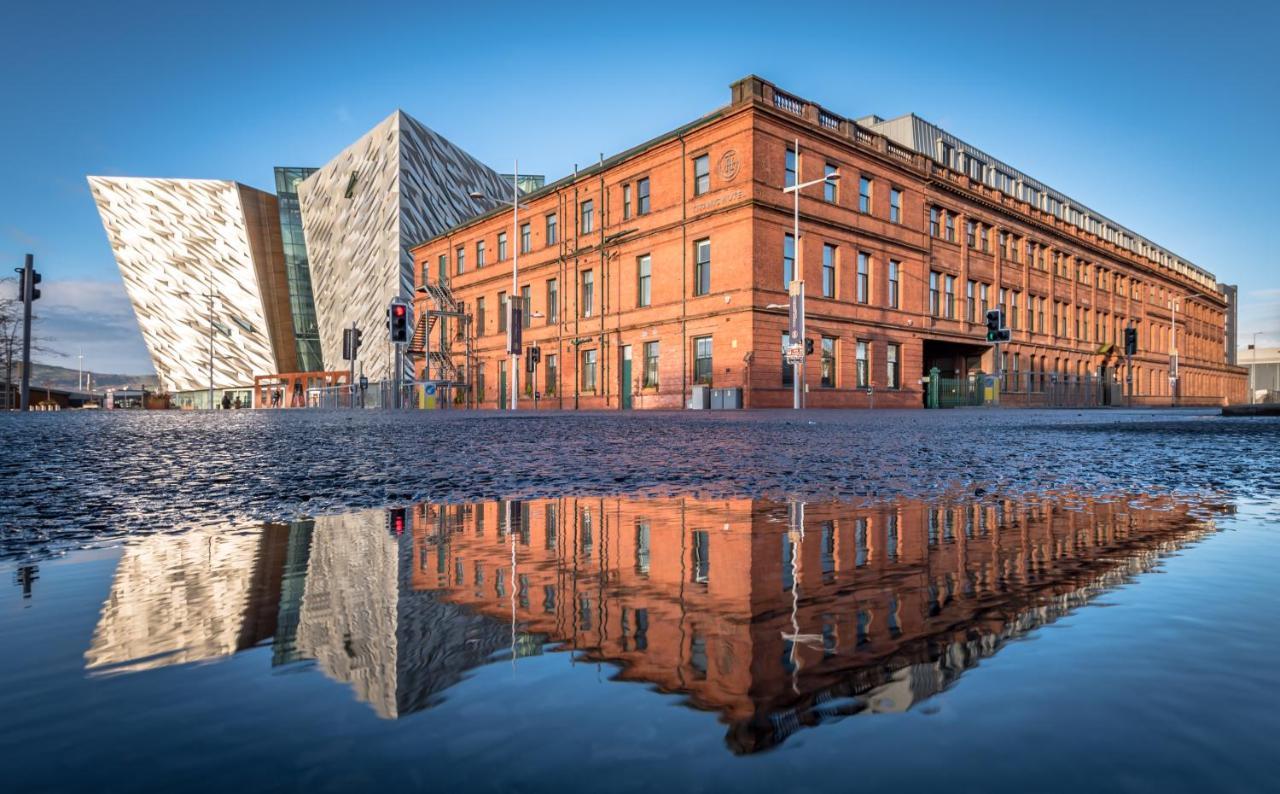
364 383
430 389
795 313
795 354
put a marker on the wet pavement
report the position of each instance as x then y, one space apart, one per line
68 480
986 601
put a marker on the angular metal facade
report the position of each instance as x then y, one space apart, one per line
398 185
203 265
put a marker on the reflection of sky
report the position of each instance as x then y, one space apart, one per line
1173 662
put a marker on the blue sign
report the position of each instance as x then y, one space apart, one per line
430 389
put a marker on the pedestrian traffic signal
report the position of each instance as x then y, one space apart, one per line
808 347
396 519
996 332
22 284
398 322
1131 341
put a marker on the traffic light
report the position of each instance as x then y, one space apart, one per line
808 347
398 322
22 284
351 343
1131 341
996 332
532 359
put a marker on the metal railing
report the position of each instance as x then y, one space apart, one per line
1026 390
377 395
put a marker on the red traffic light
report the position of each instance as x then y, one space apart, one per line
398 309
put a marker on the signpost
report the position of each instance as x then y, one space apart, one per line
795 350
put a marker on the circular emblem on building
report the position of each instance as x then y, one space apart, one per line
729 165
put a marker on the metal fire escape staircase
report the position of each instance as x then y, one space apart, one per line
442 369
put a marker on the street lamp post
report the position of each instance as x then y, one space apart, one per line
795 289
512 331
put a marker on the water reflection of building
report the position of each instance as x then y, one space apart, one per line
775 618
890 603
329 590
362 625
190 597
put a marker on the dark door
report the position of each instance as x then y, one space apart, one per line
626 378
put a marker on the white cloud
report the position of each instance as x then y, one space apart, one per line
94 317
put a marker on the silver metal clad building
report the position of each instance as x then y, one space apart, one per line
398 185
202 264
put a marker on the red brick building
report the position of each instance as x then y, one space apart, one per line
667 266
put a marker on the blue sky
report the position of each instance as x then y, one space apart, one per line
1162 115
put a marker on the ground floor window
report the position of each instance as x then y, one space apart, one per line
828 362
553 374
863 356
650 365
588 370
893 373
702 359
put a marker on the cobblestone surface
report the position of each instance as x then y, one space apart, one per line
68 480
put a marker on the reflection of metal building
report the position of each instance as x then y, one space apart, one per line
398 185
202 264
187 598
301 302
364 626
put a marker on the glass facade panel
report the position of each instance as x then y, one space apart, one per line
302 305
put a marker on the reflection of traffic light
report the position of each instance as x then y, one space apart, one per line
396 517
808 347
398 322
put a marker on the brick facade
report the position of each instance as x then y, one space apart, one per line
736 205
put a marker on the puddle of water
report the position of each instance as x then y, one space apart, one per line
383 640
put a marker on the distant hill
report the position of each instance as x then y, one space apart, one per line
65 378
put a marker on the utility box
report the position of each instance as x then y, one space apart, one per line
726 399
700 398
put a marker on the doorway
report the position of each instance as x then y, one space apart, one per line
626 378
